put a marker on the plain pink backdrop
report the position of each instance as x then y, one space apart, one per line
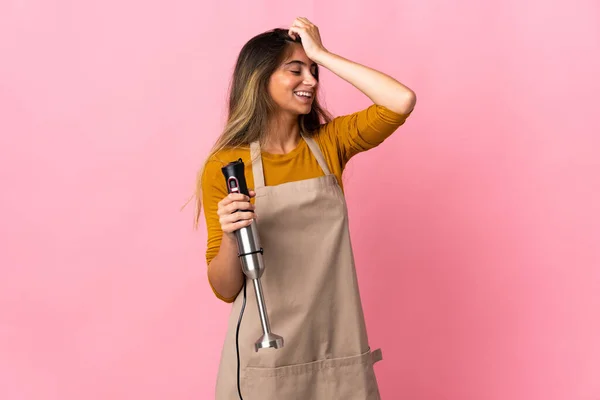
479 264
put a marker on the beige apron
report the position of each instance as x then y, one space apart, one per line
312 298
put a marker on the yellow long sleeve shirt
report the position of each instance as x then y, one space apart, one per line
339 140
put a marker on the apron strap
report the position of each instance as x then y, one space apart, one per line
257 165
376 356
314 147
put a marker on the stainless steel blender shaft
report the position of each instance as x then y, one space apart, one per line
250 254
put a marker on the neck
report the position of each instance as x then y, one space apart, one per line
283 135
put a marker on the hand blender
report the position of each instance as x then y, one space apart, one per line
250 253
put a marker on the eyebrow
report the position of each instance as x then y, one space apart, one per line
299 62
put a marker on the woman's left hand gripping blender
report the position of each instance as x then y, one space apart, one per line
250 254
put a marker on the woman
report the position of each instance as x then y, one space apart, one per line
294 156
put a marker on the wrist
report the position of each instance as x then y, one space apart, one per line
322 57
229 238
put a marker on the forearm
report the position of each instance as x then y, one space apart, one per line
225 271
382 89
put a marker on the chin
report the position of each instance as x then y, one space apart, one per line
305 111
300 110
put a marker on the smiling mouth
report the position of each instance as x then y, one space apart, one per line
305 95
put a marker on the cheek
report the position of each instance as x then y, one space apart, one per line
281 88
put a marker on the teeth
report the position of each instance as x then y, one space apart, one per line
305 94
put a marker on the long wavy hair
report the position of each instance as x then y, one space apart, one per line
250 105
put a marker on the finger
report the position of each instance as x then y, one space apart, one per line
293 32
235 217
232 208
235 206
229 228
238 197
231 197
297 31
252 193
299 22
301 26
239 205
305 21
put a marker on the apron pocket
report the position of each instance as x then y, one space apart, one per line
348 378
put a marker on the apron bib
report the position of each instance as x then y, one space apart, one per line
312 298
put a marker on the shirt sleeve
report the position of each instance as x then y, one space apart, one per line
213 191
363 130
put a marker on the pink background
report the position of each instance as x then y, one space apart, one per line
479 265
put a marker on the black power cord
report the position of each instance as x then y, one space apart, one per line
237 344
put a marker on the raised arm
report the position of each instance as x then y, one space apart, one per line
382 89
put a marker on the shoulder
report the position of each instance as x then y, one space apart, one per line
360 131
374 120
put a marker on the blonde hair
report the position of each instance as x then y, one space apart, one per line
250 105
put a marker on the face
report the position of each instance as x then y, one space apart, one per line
293 85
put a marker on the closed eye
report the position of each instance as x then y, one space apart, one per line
295 72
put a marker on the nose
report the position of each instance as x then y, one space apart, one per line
310 80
